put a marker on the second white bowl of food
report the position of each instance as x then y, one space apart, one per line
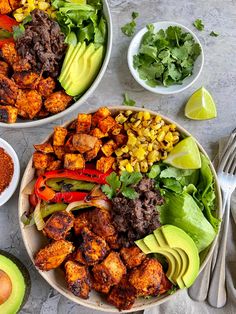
111 122
160 89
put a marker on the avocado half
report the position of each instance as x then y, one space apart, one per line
20 284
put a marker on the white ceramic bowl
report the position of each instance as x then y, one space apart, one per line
35 240
86 95
8 192
174 89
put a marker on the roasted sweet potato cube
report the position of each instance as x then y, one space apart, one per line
101 222
59 151
8 50
107 124
45 148
78 257
59 225
26 79
78 279
41 161
8 91
120 139
81 221
117 128
93 247
83 123
123 295
29 103
99 115
57 102
59 136
165 284
74 161
99 287
83 142
8 114
105 163
91 154
72 126
110 271
5 7
15 4
46 86
54 165
146 278
132 256
69 148
108 148
53 255
98 133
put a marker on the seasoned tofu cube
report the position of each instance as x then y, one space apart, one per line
99 115
8 114
4 68
45 148
120 139
57 102
98 133
107 124
5 7
78 279
59 151
81 221
46 86
53 255
93 247
123 295
59 136
83 142
26 79
78 257
74 161
99 287
83 123
108 148
105 163
59 225
41 161
146 278
8 91
54 165
8 50
91 154
29 103
110 271
132 256
101 222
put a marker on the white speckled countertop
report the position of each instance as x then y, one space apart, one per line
219 77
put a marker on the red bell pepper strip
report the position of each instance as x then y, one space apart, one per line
69 197
90 175
6 28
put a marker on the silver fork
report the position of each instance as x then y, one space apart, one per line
199 289
227 179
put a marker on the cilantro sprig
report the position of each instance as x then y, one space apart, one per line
166 57
128 101
214 34
129 28
123 184
199 24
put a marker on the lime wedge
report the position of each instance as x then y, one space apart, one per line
200 106
185 155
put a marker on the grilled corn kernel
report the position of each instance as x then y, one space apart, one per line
137 167
43 6
146 115
120 118
157 119
129 168
150 147
124 162
125 149
131 140
169 137
140 115
128 113
140 153
119 152
144 166
161 136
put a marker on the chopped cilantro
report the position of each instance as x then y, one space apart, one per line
214 34
127 101
129 28
4 34
198 24
122 184
166 57
18 31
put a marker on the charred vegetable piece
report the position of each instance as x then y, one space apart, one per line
67 185
8 114
69 197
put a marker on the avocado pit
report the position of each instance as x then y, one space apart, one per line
5 287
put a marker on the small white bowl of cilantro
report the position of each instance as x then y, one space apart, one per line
165 57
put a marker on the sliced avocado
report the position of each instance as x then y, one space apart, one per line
85 70
181 264
20 283
72 52
180 240
142 246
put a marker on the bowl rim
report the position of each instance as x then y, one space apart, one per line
25 181
156 89
9 191
89 91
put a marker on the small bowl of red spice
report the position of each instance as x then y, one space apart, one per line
9 171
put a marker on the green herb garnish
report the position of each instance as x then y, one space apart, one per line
128 101
198 24
166 57
129 28
123 184
18 31
214 34
4 34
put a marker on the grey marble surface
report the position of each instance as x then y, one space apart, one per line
219 77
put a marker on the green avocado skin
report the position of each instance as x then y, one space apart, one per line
27 281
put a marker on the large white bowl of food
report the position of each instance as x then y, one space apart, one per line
53 54
119 209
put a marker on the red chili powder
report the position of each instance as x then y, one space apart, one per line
6 170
